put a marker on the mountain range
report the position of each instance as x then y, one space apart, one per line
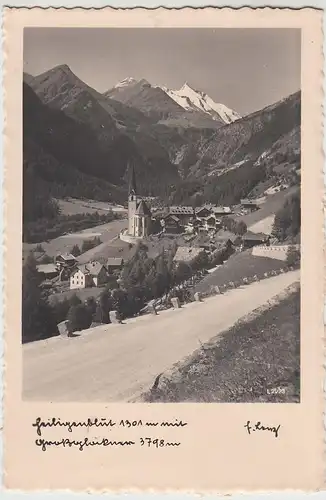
169 105
80 142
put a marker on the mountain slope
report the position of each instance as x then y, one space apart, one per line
248 138
152 101
93 135
241 158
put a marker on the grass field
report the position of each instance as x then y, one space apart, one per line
83 294
237 267
73 206
257 360
263 226
106 232
273 203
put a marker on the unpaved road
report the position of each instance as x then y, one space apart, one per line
119 362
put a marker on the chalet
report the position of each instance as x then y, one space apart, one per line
249 205
171 224
187 254
98 273
87 275
221 211
210 222
65 260
193 226
203 212
184 213
252 239
114 264
81 278
47 271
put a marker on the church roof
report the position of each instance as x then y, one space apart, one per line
142 209
132 182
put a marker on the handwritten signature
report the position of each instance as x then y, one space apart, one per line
259 427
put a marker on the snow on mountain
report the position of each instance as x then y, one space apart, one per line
191 99
125 82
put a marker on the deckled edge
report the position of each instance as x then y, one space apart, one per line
324 229
4 238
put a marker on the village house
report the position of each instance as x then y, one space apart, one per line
249 205
193 226
203 212
171 224
184 213
114 264
47 271
211 223
65 260
88 275
252 239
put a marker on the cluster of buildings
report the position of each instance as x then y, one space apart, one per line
67 268
192 220
175 219
178 219
142 223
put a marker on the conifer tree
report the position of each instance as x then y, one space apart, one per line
37 317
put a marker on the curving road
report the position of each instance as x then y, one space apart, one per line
119 362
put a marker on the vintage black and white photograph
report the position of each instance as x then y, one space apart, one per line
161 215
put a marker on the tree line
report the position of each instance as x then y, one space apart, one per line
287 223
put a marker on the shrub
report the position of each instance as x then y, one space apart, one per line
293 256
79 317
75 251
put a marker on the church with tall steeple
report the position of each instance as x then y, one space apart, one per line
139 214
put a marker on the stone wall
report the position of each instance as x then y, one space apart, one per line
129 239
278 252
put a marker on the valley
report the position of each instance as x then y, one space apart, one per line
151 208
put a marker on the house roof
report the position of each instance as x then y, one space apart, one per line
204 207
248 202
187 254
114 261
172 217
47 268
254 236
220 210
67 256
92 268
143 209
82 268
181 210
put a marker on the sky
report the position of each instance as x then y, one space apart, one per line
245 69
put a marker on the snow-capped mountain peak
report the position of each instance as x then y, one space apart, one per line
125 82
197 100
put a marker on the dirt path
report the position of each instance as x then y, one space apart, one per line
119 362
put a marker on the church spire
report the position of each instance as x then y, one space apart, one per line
132 182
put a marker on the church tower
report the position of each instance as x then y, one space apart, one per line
132 202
